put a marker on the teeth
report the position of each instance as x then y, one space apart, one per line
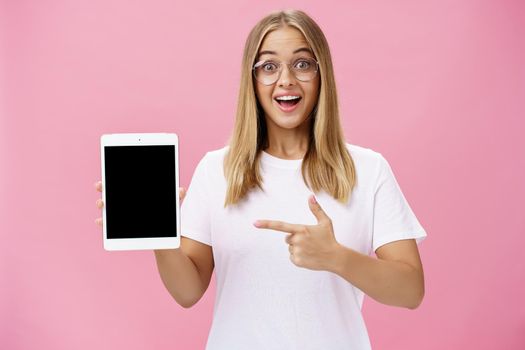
287 98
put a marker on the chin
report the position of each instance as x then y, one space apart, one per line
288 121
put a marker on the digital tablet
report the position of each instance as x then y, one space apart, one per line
140 182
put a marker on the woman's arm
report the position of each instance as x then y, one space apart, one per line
186 271
395 278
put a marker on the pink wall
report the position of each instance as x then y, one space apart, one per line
436 86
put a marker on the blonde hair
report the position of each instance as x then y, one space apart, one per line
327 163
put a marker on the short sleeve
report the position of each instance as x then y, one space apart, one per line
195 211
393 218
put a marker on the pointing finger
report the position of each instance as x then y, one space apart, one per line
276 225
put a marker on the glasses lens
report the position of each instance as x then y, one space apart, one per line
305 69
267 72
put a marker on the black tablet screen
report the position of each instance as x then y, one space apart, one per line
140 191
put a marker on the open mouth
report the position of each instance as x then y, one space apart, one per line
288 101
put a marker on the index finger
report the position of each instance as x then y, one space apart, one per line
98 186
277 225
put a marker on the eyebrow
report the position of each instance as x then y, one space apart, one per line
302 49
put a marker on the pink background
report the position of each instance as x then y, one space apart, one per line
438 87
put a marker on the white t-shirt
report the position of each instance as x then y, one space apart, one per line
264 301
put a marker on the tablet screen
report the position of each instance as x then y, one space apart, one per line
140 191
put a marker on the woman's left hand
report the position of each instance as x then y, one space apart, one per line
311 246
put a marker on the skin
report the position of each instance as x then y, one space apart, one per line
394 278
185 271
287 132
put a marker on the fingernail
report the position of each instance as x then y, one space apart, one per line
312 199
257 223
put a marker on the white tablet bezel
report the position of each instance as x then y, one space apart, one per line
140 139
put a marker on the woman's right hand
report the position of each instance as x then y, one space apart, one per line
100 202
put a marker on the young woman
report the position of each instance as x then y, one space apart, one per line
288 212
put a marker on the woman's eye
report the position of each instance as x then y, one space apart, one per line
269 67
302 64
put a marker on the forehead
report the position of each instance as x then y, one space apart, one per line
283 41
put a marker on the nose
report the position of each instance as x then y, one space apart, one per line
286 77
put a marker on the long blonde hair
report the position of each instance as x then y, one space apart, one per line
327 163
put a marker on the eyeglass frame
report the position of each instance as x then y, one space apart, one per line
280 69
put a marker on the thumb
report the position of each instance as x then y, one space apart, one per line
182 193
316 209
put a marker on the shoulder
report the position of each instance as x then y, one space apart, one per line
364 157
212 162
370 165
215 156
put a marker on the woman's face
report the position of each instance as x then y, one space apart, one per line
286 45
